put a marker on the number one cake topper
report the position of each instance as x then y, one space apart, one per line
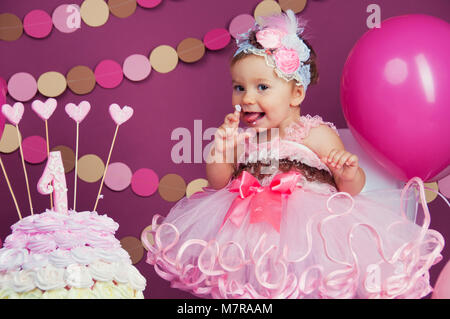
45 110
119 116
14 115
53 181
77 113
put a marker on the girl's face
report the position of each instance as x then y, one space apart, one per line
267 100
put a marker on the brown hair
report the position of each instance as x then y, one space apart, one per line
312 61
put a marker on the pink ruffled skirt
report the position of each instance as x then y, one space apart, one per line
334 246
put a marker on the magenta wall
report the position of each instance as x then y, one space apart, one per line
164 102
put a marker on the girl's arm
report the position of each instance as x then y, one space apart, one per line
349 177
218 171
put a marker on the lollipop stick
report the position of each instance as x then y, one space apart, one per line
48 153
76 169
24 169
10 188
106 168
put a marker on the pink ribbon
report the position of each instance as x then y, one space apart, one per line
263 202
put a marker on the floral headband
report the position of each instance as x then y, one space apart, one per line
282 48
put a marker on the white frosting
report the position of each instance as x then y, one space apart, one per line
51 251
50 277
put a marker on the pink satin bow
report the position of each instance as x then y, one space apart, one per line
263 202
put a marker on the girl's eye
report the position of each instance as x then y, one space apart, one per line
262 87
238 88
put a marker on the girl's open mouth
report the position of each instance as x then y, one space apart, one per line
253 117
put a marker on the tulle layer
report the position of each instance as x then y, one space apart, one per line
334 246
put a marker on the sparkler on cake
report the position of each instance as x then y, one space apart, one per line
61 253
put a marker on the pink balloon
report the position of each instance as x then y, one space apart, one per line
395 95
3 90
442 288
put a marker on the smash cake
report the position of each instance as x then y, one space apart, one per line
64 254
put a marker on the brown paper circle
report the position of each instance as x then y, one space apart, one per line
265 8
295 5
134 248
9 141
94 13
150 238
164 58
68 157
190 50
122 8
172 187
90 168
11 27
81 79
196 186
430 195
51 84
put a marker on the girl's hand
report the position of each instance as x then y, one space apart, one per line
227 136
344 165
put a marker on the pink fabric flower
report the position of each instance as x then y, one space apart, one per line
270 38
287 60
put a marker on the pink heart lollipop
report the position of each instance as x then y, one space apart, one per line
13 113
44 109
119 115
78 113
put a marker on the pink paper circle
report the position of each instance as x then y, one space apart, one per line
108 74
217 39
144 182
241 24
34 149
136 67
444 186
148 3
65 19
37 24
118 176
22 86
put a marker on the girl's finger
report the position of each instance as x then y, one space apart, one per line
330 155
344 158
336 156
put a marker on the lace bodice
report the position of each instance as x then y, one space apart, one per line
289 147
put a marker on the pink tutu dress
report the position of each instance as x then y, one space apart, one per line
285 236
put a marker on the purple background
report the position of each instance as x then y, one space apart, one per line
164 102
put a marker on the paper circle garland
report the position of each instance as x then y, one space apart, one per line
68 157
172 187
22 86
190 50
118 176
37 24
34 149
81 79
150 238
266 8
134 248
295 5
148 3
90 168
94 13
66 18
136 67
9 141
241 24
51 84
108 74
144 182
122 8
217 39
11 27
164 58
196 186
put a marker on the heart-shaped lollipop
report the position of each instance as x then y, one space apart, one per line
44 109
119 115
78 112
13 113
